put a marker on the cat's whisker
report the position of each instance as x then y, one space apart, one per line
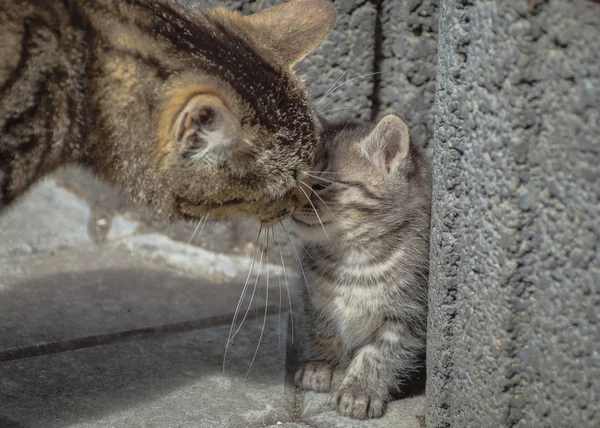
335 109
288 291
351 80
316 213
195 230
343 74
237 309
279 280
322 109
300 243
202 228
297 259
262 331
262 252
320 198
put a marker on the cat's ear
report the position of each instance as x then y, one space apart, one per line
295 28
388 145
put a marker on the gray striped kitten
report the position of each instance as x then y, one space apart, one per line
366 265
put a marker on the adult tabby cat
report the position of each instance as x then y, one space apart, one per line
191 112
367 265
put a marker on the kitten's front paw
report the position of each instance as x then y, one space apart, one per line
358 404
315 376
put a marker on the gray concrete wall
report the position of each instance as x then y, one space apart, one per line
514 337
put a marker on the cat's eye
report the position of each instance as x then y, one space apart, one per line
320 186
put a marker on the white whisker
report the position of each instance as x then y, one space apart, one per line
279 280
288 291
262 331
262 251
320 198
355 78
321 111
201 229
343 74
316 213
297 259
330 181
195 230
237 309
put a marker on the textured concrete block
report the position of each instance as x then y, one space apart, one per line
515 266
407 63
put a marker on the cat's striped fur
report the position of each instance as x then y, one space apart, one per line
367 265
190 111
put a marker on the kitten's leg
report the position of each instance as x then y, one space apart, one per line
376 370
326 367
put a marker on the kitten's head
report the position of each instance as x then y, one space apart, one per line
372 179
236 131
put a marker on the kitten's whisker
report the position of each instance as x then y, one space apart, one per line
237 309
262 331
331 181
298 260
343 74
288 290
262 251
316 213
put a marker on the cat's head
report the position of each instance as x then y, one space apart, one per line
371 179
236 131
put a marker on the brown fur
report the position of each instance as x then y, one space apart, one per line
108 84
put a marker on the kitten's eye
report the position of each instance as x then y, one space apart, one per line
320 186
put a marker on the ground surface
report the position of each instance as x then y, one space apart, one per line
108 318
130 330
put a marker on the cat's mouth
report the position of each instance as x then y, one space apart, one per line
268 212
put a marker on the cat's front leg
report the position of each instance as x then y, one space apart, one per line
376 370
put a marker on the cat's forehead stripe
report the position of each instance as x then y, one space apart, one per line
221 51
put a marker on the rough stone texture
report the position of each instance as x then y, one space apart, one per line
407 61
515 264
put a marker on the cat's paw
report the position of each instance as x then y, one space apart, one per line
358 403
315 376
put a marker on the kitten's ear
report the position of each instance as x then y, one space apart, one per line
388 145
295 28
